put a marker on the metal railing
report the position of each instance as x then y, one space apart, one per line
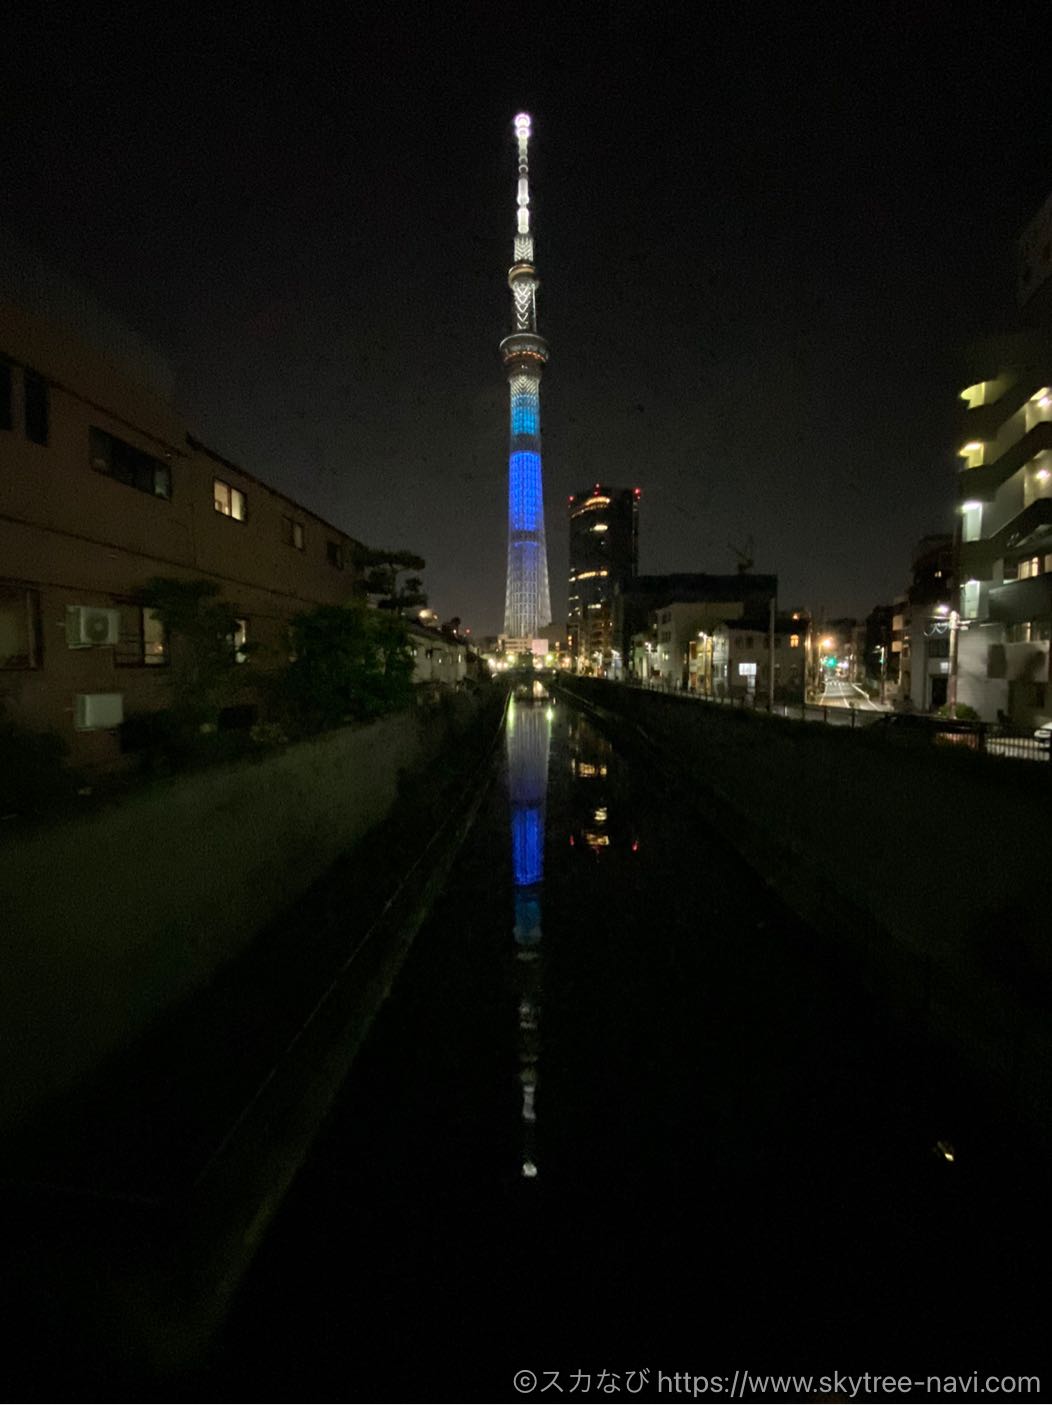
989 738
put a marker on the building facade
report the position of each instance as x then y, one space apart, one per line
735 659
920 627
102 489
604 558
1004 533
691 600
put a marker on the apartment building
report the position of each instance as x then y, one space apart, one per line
101 489
1004 535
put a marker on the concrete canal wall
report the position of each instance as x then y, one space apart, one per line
111 917
925 864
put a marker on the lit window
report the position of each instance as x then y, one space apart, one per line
143 641
228 500
292 532
971 521
794 641
239 639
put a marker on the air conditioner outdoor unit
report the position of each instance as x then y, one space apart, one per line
96 711
90 625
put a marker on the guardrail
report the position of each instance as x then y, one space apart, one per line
990 738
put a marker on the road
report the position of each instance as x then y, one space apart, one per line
840 693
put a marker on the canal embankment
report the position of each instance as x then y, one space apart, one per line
135 1200
919 862
112 917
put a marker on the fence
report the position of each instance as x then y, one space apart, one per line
991 738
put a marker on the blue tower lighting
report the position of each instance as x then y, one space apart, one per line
527 600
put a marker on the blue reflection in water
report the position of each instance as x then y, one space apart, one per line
528 736
528 739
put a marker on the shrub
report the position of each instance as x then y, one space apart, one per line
961 711
33 773
350 664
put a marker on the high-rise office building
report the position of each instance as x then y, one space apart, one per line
604 558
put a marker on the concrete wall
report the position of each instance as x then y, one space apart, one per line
109 918
924 863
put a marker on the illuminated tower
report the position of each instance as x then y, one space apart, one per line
527 603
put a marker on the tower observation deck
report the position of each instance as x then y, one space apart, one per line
527 602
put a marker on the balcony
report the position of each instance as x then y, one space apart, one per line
1017 601
1031 527
982 483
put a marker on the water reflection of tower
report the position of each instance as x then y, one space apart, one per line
528 739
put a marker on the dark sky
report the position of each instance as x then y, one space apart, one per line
760 243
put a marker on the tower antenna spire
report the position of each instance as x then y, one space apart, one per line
527 600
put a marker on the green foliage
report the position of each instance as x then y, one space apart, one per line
961 711
201 627
381 570
33 774
351 663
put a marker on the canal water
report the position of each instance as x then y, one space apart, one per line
623 1111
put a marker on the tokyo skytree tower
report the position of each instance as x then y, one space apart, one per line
527 603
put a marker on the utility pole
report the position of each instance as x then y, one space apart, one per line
770 656
951 689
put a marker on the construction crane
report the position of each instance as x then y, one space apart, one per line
744 555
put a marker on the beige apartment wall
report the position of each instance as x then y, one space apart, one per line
79 537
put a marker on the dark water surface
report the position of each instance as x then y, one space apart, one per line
622 1111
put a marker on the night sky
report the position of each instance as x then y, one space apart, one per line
760 245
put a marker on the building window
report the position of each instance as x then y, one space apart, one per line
334 553
1032 567
37 408
228 500
794 641
6 421
292 532
20 636
939 647
143 641
129 465
239 641
971 523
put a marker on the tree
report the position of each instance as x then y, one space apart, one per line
202 628
381 570
350 663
